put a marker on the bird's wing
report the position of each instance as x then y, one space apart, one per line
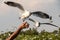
31 20
43 23
40 14
49 24
14 5
37 24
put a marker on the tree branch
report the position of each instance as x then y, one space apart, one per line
14 35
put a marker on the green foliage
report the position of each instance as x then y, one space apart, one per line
34 35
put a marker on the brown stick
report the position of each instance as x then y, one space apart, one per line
14 35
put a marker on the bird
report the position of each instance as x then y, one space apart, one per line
38 23
26 14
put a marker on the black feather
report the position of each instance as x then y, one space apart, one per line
40 14
14 4
49 24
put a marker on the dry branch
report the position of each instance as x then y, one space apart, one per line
14 34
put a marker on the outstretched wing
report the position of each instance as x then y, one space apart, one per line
37 24
41 14
31 20
42 23
14 5
49 24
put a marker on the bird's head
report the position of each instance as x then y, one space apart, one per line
37 24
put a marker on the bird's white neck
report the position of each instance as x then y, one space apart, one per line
26 11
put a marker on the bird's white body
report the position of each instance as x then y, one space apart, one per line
25 14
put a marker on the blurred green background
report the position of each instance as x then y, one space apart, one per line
32 34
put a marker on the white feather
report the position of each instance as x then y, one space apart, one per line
25 14
36 24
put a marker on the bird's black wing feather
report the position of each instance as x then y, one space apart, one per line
49 24
43 23
14 4
31 20
40 14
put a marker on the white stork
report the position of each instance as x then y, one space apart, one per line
26 14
